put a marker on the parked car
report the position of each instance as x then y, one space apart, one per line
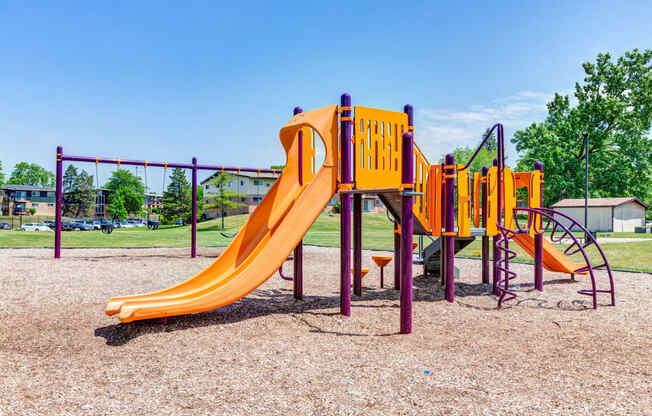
5 226
50 223
179 222
96 225
35 227
66 226
81 226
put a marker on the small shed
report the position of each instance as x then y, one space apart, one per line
606 214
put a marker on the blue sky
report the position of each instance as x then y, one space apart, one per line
172 80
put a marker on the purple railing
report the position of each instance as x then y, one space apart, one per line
554 218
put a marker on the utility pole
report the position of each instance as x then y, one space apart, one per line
586 183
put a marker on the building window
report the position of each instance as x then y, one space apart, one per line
43 194
34 205
256 182
207 202
50 205
257 199
241 183
243 199
267 184
208 187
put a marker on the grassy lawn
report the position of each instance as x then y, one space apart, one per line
377 235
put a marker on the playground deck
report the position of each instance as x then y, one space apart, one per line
544 353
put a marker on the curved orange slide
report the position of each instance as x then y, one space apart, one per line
265 240
553 259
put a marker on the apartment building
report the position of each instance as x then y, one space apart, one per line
20 199
252 186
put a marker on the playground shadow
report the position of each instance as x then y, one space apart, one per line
268 302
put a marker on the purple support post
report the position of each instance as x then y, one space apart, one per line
57 215
357 244
496 252
485 239
449 240
298 250
442 246
193 246
397 256
345 203
538 242
407 179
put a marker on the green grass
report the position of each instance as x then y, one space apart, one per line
377 235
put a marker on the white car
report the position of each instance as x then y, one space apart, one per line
35 227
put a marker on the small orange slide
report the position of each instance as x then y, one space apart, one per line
553 259
265 240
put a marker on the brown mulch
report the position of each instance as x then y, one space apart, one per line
543 353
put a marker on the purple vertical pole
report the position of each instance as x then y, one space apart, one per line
193 247
397 257
496 253
442 246
499 186
485 239
357 244
298 250
449 240
345 215
59 196
407 178
538 242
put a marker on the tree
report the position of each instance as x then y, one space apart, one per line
31 174
277 167
2 175
224 197
32 211
614 106
176 198
124 184
117 207
485 156
78 192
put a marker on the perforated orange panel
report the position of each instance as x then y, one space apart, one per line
377 147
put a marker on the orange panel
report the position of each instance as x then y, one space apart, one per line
377 146
553 259
509 195
437 203
463 204
492 201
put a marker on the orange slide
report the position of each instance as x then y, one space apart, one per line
265 240
553 259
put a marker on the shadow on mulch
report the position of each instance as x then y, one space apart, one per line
280 302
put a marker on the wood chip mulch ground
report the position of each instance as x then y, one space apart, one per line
543 353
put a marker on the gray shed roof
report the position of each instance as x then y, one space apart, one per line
597 202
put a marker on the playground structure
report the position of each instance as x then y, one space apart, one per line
372 151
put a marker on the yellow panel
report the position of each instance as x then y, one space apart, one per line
492 201
534 199
377 147
463 204
421 171
510 197
477 187
436 201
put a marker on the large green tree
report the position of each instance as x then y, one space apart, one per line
31 174
125 185
223 197
614 106
78 191
2 175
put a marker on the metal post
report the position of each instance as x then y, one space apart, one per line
586 183
397 256
59 196
449 239
357 244
298 250
485 239
407 179
193 247
345 214
442 245
494 248
538 241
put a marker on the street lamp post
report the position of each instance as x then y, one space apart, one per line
586 183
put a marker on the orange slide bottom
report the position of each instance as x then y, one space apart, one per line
553 259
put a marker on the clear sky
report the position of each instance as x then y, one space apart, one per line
172 80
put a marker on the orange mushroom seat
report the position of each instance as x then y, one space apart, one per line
381 261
